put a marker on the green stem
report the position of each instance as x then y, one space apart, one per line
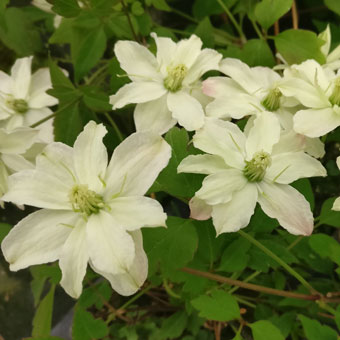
244 302
126 10
184 15
257 30
169 290
279 261
114 125
97 73
135 297
300 238
233 20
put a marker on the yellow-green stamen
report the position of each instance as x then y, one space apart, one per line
272 101
18 105
176 75
255 169
335 96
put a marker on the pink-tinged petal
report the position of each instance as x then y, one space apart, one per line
223 139
110 248
154 116
202 164
90 156
21 75
288 206
221 186
73 260
220 86
316 122
236 214
207 60
199 210
289 167
135 164
129 282
186 109
137 61
147 212
134 93
38 238
263 135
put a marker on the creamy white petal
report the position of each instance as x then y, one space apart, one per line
187 51
154 116
236 214
138 62
38 238
336 204
221 86
223 139
202 164
186 109
3 180
136 163
129 282
38 189
207 60
110 247
73 260
135 212
338 162
290 141
316 122
315 147
140 92
220 187
263 135
288 206
21 75
289 167
17 141
16 162
5 82
265 76
199 210
90 156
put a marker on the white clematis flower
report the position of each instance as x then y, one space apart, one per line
163 86
92 210
245 170
13 145
23 98
332 58
336 204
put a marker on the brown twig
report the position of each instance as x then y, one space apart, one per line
295 16
276 27
217 330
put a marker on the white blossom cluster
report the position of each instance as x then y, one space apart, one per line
92 209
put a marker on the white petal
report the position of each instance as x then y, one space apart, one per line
223 139
199 210
315 147
316 123
263 135
202 164
154 116
138 62
38 189
187 51
288 206
236 214
336 204
220 86
129 282
325 36
220 187
186 109
136 163
290 141
90 155
140 92
110 247
135 212
288 167
3 180
17 141
73 260
338 162
21 75
38 238
5 82
265 76
207 60
16 162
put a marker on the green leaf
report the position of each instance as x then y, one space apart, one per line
337 317
4 230
173 247
329 216
206 32
173 326
297 46
269 11
182 185
86 327
303 185
261 329
315 331
66 8
219 306
325 246
204 8
137 8
46 338
161 4
95 99
42 320
255 52
333 5
90 52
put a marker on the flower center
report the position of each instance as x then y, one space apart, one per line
84 200
18 105
255 169
272 101
335 96
176 75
